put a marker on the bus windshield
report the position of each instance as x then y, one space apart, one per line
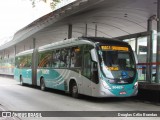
117 62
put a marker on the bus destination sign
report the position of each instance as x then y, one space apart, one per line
119 48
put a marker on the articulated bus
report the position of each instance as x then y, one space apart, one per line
92 66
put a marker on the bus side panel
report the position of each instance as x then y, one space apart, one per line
25 73
59 78
53 78
17 73
27 76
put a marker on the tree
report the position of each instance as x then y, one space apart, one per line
53 3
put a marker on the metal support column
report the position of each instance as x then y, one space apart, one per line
158 44
149 52
86 30
34 43
69 31
34 63
4 52
95 30
24 47
15 50
136 44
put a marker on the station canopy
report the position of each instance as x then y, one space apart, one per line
101 18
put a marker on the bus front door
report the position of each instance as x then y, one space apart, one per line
87 74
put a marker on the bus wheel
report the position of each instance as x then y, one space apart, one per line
21 81
74 90
42 85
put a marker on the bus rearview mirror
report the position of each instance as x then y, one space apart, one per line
93 55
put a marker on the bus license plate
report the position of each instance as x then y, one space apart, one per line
122 93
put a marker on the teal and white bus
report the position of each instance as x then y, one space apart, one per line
98 67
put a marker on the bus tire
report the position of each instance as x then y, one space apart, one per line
42 84
74 90
21 81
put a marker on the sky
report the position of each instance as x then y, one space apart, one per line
16 14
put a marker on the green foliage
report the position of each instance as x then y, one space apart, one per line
53 3
33 3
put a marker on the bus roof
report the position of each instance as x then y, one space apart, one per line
57 44
104 40
73 41
80 40
25 52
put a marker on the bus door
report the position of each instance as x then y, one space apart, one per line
87 73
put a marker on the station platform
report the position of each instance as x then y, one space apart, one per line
149 92
149 86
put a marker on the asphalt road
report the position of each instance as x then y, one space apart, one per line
14 97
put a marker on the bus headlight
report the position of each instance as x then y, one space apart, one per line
135 85
105 85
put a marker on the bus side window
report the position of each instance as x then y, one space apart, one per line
29 61
64 57
55 59
23 61
45 59
87 65
76 57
